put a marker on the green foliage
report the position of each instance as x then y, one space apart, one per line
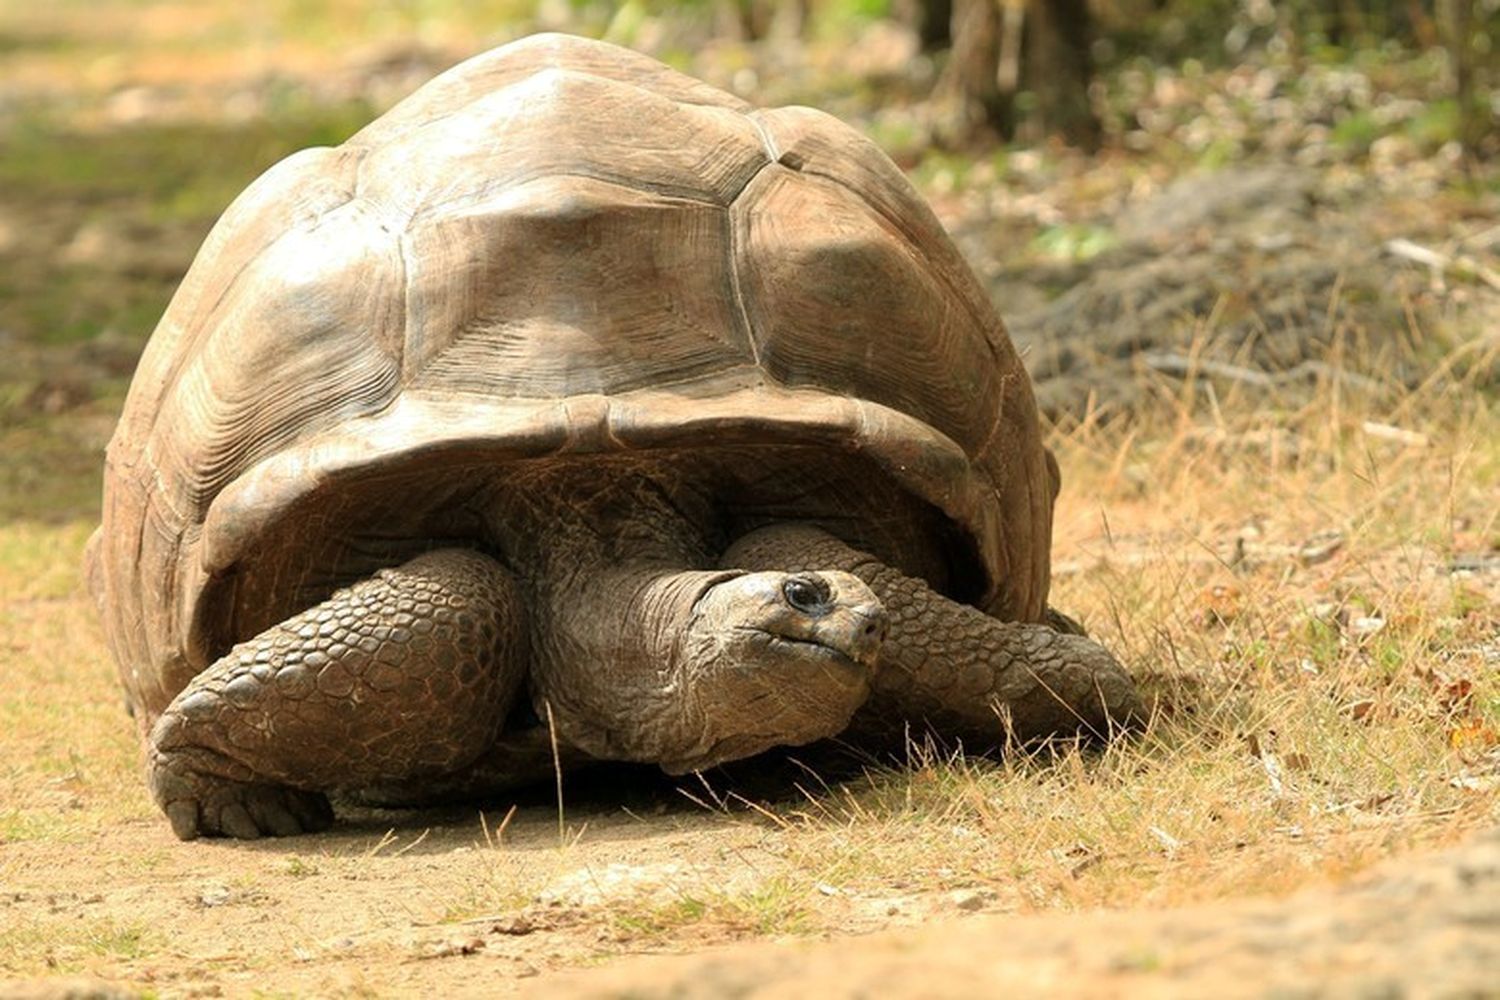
1435 125
1073 242
70 946
1220 32
1357 131
150 193
178 171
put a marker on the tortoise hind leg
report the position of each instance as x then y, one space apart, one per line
406 674
953 667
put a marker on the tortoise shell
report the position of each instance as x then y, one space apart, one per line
558 246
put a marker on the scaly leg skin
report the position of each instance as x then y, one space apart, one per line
516 760
406 674
954 668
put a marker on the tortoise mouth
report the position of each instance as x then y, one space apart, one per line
835 664
795 691
812 647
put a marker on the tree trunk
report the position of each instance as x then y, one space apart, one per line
970 79
934 23
1457 22
1004 47
1059 67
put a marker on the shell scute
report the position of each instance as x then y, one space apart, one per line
836 298
570 285
451 92
558 121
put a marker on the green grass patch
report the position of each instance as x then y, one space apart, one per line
141 199
1073 242
54 945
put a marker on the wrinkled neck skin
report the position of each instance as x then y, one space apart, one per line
613 572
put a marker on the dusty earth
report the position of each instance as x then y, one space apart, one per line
369 910
361 918
1428 927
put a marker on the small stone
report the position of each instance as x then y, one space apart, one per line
517 925
971 900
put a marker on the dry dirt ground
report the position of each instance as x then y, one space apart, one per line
380 910
368 912
1425 927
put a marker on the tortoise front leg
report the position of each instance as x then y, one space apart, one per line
951 666
406 674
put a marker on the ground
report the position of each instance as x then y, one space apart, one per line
1264 341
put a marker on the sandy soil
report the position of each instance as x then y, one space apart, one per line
360 917
385 903
1428 927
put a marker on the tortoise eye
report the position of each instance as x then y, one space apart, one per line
807 594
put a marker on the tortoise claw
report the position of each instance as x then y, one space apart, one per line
203 805
183 815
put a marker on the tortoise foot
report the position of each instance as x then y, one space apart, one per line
401 677
199 804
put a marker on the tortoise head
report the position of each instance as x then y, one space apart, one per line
771 658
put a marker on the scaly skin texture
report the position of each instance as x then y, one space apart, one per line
406 674
643 651
691 668
954 668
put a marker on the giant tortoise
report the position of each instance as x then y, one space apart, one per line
574 404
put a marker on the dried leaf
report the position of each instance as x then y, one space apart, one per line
1296 761
1168 842
1398 435
1474 782
1320 548
1219 605
1457 696
451 948
1473 734
1272 767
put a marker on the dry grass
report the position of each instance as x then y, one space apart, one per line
1278 571
1326 693
1327 688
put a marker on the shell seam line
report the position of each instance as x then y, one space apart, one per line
766 138
910 238
736 293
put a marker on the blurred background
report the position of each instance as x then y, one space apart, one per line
1152 189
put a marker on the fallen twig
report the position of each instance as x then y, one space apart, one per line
1169 363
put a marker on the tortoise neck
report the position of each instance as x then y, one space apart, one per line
585 520
613 566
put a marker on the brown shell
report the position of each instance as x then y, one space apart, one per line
558 245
